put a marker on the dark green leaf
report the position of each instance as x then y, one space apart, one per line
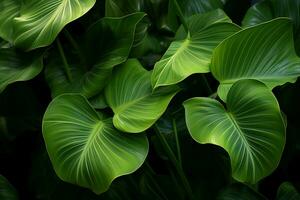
7 191
18 66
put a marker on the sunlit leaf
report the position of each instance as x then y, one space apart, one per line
251 129
264 52
193 54
85 148
130 95
18 66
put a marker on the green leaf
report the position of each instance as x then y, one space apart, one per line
85 148
40 21
251 130
18 66
7 191
118 8
9 10
239 191
264 52
191 7
193 54
130 96
258 13
287 191
108 43
269 9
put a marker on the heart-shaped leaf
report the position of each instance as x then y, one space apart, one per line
108 43
7 191
130 95
85 148
264 52
18 66
251 129
40 21
193 54
9 10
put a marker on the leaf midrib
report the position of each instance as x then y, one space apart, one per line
241 134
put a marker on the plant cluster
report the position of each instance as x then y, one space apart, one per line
173 94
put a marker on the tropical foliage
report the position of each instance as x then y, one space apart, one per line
142 99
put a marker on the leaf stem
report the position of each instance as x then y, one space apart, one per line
64 60
177 142
180 15
173 159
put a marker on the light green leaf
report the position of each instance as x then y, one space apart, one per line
193 54
85 148
264 52
130 95
40 21
287 191
191 7
251 129
113 38
18 66
7 191
9 10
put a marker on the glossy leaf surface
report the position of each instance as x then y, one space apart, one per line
264 52
251 129
130 96
85 148
193 54
40 21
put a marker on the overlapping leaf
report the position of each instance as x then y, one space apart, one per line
130 95
85 148
269 9
193 54
251 130
264 52
17 66
108 43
